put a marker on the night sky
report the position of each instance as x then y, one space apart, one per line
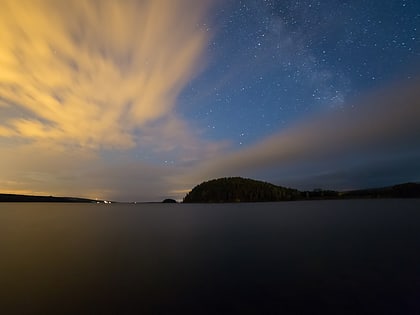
142 100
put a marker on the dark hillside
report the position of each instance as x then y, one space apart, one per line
237 189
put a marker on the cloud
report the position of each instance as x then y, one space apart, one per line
95 73
89 88
381 129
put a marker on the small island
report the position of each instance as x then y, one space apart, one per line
238 189
169 200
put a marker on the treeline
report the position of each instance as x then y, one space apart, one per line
407 190
29 198
237 189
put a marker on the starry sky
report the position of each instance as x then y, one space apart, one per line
142 100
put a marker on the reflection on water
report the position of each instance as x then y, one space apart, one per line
336 256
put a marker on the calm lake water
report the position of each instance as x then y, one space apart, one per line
338 257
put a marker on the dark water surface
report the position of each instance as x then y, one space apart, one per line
337 257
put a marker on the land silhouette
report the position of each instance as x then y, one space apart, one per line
169 200
31 198
238 189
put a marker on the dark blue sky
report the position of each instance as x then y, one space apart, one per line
273 62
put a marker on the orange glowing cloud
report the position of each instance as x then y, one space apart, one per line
96 73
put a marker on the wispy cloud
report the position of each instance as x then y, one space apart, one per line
95 73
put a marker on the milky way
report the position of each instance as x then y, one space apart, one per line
273 62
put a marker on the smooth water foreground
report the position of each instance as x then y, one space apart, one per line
341 257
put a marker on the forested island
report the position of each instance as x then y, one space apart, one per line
238 189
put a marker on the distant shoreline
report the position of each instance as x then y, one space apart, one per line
32 198
401 191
